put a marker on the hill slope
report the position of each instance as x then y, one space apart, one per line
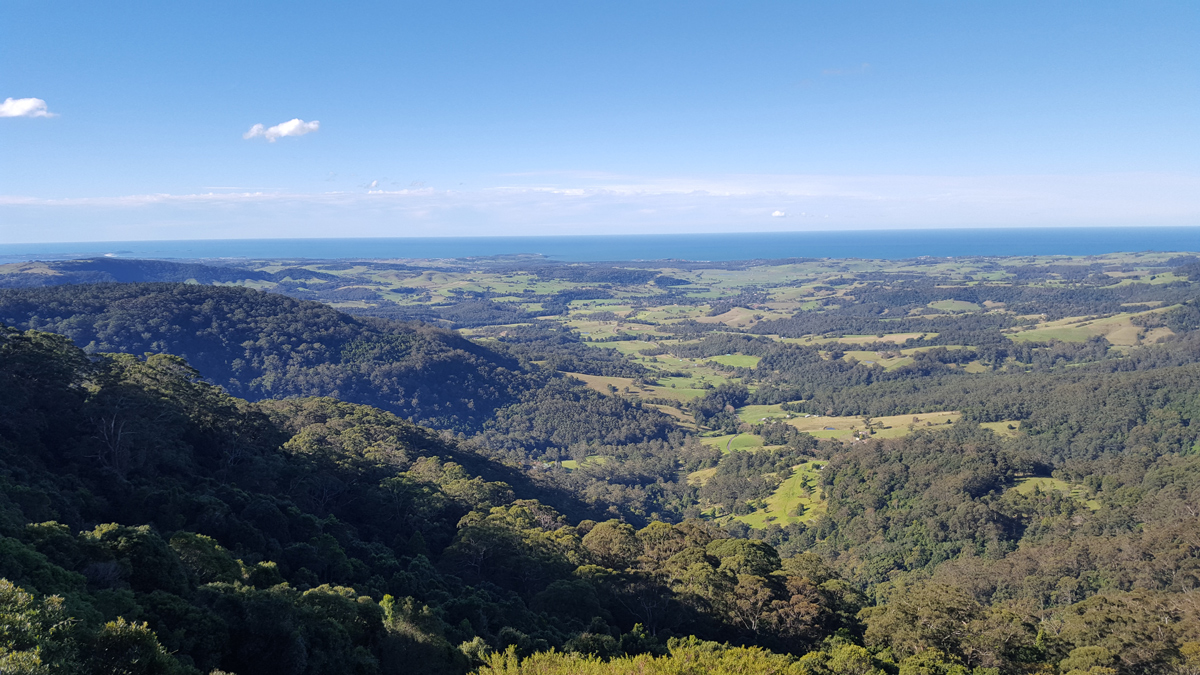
316 537
260 345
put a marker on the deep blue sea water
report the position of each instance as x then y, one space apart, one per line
875 244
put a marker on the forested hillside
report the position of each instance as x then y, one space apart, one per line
101 270
260 345
184 530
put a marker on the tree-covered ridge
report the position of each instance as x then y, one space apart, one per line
260 345
108 270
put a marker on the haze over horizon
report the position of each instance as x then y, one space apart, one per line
300 119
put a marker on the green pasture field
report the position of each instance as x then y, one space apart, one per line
605 329
791 295
905 358
736 360
1146 278
874 358
572 465
696 370
1029 485
788 496
954 306
738 317
1117 329
1001 428
629 347
730 442
680 416
975 367
685 389
671 313
892 426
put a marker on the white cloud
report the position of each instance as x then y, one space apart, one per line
293 127
24 107
778 214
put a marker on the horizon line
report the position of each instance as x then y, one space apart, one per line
832 230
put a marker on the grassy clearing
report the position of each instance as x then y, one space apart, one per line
1002 428
682 391
572 465
696 371
954 306
701 477
730 442
791 502
679 415
820 426
736 360
876 358
1117 329
627 347
1029 485
737 317
1144 278
606 329
893 426
671 313
975 367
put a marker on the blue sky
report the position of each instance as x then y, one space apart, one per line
460 118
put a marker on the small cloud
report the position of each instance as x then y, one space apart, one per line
372 185
778 214
24 107
294 127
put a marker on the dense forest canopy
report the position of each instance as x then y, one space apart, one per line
262 345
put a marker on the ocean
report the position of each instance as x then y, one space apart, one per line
866 244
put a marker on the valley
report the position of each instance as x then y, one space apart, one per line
506 455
